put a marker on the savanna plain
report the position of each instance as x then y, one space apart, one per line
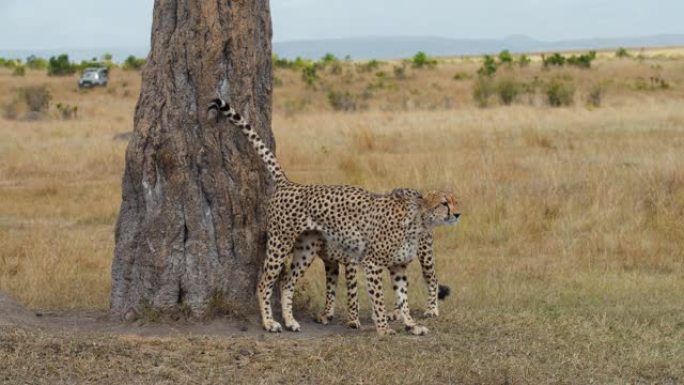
567 266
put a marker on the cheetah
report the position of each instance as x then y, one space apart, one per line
332 271
376 230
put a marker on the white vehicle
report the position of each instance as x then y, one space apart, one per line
93 77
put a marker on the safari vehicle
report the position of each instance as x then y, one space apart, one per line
93 77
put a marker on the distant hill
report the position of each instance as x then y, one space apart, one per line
402 47
388 47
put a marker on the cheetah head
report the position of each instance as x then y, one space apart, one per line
440 208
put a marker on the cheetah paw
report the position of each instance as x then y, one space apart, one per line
386 332
323 319
272 327
431 313
354 324
417 330
293 326
393 316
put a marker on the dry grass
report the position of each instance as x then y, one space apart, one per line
568 266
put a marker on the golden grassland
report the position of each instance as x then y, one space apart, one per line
568 265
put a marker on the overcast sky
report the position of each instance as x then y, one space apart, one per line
28 24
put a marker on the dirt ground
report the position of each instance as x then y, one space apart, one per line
13 314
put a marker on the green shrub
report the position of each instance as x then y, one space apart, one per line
328 59
19 71
483 90
279 62
505 57
488 67
310 74
507 89
582 61
36 63
524 60
556 59
133 64
60 66
368 66
422 60
560 92
622 53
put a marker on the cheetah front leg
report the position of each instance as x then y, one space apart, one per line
376 295
400 283
427 264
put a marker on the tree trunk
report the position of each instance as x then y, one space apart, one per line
190 233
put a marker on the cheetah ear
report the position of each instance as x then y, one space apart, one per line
432 199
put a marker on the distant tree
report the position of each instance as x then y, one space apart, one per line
133 64
505 57
421 60
556 59
488 67
36 63
60 66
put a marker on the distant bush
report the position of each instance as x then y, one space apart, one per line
582 61
422 60
595 96
19 71
342 100
560 92
505 57
10 111
556 59
328 59
622 53
37 98
67 111
368 66
488 67
461 76
133 64
399 71
36 63
60 66
310 74
524 60
508 89
483 90
9 63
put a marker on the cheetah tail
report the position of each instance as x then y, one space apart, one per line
269 159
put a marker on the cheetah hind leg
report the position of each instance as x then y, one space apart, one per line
272 265
305 250
350 276
332 271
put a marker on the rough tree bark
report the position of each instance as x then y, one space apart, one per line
190 233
